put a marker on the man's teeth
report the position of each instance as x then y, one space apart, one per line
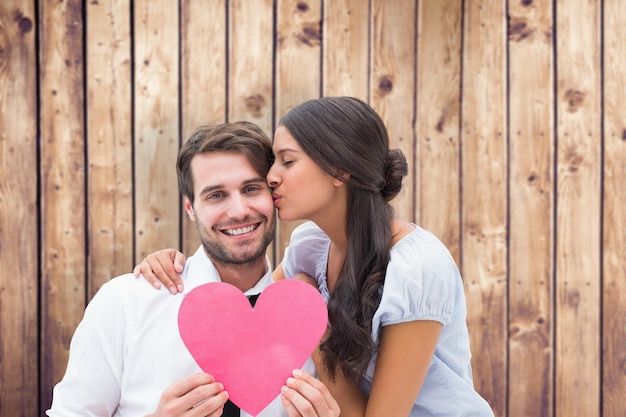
240 231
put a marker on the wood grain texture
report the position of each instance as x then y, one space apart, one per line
437 153
484 195
250 65
298 56
251 68
18 210
536 148
614 214
109 142
298 51
392 81
577 352
203 79
346 45
62 181
156 125
531 184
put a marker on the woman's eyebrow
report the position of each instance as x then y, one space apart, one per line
283 150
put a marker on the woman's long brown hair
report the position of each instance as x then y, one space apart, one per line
344 135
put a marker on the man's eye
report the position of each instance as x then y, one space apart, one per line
252 188
214 196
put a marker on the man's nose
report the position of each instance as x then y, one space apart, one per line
237 206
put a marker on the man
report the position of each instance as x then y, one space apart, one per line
126 356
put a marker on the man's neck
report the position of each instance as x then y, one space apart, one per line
243 276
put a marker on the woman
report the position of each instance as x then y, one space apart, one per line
397 342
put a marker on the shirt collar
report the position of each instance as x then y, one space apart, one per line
199 269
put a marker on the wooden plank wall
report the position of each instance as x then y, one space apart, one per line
511 113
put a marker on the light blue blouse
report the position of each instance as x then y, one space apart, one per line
422 283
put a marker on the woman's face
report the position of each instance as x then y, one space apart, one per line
302 190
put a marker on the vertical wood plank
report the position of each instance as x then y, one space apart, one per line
203 79
62 185
109 142
18 210
298 78
613 384
531 241
156 130
393 84
577 351
437 153
250 70
556 211
484 195
345 48
298 40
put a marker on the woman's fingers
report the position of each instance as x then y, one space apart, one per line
162 267
306 396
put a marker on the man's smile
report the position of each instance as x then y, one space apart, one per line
237 231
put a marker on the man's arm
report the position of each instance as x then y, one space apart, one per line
91 385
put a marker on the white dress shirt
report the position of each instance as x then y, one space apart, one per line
127 349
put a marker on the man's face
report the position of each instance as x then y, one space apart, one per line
233 208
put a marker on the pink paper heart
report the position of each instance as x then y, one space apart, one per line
252 351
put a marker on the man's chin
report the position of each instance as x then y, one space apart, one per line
236 257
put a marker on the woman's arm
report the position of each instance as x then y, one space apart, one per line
163 267
405 353
351 399
278 273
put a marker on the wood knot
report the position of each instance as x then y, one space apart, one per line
302 6
445 115
574 159
25 25
574 100
519 30
255 104
310 35
440 123
385 85
527 3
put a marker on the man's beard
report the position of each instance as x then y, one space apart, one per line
225 255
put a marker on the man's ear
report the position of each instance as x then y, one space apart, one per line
189 209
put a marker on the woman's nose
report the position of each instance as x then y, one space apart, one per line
272 179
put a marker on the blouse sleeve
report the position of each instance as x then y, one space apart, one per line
307 252
420 283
